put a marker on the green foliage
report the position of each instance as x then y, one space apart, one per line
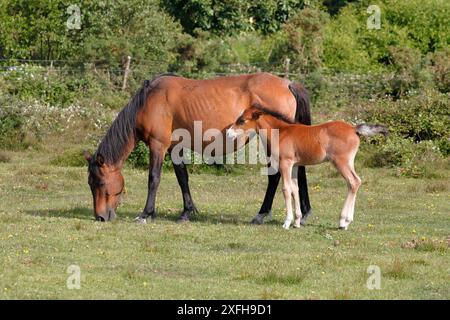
409 158
70 158
139 157
399 74
409 71
34 30
417 25
11 134
440 66
205 54
344 51
422 117
28 83
418 145
305 36
110 31
227 17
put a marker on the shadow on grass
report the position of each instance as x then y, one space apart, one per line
85 213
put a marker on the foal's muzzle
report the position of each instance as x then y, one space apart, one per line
232 134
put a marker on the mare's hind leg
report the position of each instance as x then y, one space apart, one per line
304 197
286 173
157 153
183 181
345 167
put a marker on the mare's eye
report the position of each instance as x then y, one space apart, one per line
116 194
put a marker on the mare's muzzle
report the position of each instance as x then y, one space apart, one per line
109 215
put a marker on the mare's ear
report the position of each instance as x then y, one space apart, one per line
87 155
100 160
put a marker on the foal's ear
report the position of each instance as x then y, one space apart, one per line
87 155
256 114
100 160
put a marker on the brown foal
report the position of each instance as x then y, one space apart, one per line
301 145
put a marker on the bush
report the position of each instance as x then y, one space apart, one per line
24 124
409 158
440 65
11 133
425 116
410 73
70 158
139 157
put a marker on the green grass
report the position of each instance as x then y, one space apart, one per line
401 225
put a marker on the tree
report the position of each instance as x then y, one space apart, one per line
229 16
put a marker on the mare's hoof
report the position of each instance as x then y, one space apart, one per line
259 219
256 221
183 219
305 217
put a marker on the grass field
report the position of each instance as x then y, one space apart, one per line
401 225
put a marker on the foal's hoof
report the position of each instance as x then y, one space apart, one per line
297 225
140 220
286 225
343 227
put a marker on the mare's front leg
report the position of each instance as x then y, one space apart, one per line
157 153
266 207
183 180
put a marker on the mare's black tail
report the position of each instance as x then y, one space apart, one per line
302 115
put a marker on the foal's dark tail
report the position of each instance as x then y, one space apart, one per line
302 115
368 130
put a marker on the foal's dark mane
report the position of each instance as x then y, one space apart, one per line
123 129
273 113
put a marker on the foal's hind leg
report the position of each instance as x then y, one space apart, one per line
357 183
295 194
345 167
286 172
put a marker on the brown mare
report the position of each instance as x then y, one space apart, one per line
169 102
297 144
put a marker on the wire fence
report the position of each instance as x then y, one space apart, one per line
132 74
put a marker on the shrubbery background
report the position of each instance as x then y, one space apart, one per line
65 85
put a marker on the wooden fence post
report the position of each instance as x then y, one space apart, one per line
126 72
287 62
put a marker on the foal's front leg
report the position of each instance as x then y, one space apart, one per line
286 171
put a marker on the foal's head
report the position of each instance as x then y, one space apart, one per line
107 184
246 122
